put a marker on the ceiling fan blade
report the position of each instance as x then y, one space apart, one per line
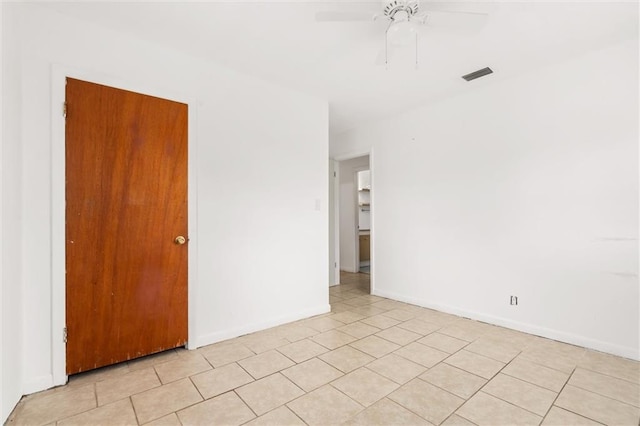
343 16
454 20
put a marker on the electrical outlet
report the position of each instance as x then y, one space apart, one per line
514 300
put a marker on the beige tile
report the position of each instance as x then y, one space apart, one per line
608 386
375 346
357 301
437 318
368 310
419 326
225 409
312 374
271 392
225 354
182 367
559 417
359 330
396 368
537 374
325 406
454 380
384 413
302 350
98 374
455 420
339 307
44 407
426 400
388 304
333 339
443 342
117 413
221 380
264 342
346 358
365 386
348 317
399 314
494 349
380 321
323 324
295 332
168 420
266 363
371 298
611 365
281 416
515 338
523 394
550 358
159 402
463 330
126 385
152 360
484 409
599 408
421 354
473 363
350 295
398 335
565 349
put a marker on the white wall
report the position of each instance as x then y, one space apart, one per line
261 159
11 315
348 212
525 187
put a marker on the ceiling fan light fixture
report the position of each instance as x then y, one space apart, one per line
402 31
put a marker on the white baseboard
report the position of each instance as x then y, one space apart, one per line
574 339
211 338
37 384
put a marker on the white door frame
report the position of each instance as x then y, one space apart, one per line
334 223
59 73
350 156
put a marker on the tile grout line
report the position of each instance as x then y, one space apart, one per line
243 401
405 307
608 375
135 413
482 387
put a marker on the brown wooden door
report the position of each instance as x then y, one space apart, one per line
126 202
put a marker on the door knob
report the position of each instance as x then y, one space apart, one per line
180 240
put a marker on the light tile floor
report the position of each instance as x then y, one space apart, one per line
370 361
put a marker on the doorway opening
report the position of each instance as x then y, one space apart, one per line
352 208
364 221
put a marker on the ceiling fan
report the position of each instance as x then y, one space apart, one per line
404 19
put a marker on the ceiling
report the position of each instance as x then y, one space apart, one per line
281 42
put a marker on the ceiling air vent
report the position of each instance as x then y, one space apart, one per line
478 74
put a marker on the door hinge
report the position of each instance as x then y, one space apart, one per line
64 110
334 174
64 335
